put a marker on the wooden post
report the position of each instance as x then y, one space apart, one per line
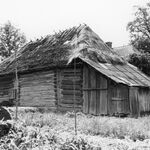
16 84
74 97
58 82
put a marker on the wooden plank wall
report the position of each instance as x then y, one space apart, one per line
6 89
134 101
144 99
38 89
118 99
94 92
67 80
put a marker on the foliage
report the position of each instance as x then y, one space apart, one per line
139 28
142 61
11 39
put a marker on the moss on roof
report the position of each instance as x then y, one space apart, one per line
60 49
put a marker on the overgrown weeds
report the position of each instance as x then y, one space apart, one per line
49 129
135 129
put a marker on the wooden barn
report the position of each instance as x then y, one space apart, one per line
75 63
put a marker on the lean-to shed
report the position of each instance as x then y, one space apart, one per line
51 68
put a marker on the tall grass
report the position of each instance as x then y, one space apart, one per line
135 129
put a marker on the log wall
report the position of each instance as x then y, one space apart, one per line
69 82
38 89
6 89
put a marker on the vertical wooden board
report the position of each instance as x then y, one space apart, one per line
103 102
109 101
144 99
101 96
134 104
98 94
103 82
98 104
85 92
93 92
119 98
125 95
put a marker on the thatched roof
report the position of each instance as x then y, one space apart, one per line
78 42
61 48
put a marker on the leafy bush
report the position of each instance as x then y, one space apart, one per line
76 144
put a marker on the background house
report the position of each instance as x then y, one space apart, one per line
125 51
75 62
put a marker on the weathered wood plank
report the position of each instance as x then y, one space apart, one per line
92 105
85 93
38 89
134 102
103 102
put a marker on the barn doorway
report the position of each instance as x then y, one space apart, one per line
119 98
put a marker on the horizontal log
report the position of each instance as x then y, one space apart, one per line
38 80
48 86
36 76
37 92
71 101
71 70
4 97
90 89
70 106
71 78
71 92
49 94
69 82
71 97
71 87
37 104
37 88
41 97
9 88
46 73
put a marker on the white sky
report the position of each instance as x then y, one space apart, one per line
36 18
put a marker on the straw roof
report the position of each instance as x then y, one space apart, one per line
81 42
60 49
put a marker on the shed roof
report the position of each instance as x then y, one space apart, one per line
77 42
125 74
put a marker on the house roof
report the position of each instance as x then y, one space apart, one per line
77 42
125 51
58 49
125 74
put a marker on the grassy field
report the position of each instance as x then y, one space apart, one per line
44 130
